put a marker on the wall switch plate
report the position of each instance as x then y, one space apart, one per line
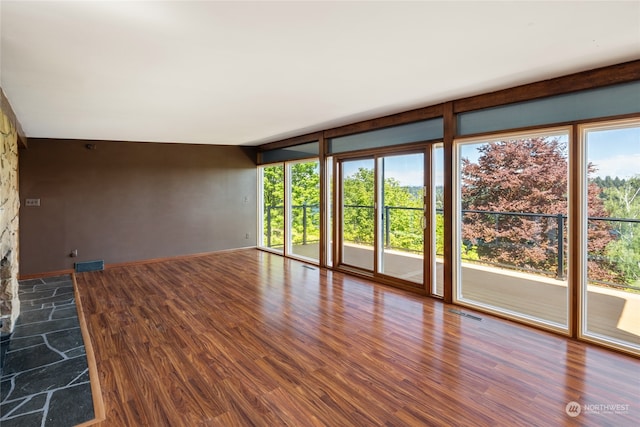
32 202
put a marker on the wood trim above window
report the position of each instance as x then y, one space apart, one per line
599 77
386 121
290 142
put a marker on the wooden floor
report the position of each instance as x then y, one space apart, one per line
251 338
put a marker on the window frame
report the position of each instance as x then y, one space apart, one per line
456 216
582 223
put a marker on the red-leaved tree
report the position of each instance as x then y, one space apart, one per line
523 176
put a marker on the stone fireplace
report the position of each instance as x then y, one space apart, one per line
9 302
9 206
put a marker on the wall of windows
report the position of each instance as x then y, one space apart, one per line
529 206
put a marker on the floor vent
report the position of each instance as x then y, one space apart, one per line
463 314
82 267
309 267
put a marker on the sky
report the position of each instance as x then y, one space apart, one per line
407 169
615 152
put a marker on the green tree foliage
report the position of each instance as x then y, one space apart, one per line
305 198
358 202
523 176
305 202
403 205
622 200
273 205
403 212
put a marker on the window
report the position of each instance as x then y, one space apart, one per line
304 213
437 220
358 213
272 213
511 225
297 183
610 285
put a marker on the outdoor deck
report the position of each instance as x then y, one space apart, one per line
611 313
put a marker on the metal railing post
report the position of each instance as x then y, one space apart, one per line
387 224
560 234
268 226
304 223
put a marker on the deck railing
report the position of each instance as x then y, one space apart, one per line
555 234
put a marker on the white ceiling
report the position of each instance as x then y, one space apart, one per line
254 72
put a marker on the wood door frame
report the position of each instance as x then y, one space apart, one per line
425 148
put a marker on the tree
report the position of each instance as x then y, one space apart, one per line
358 201
305 202
622 200
273 205
305 191
522 176
402 204
403 212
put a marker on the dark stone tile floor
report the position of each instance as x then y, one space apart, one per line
45 380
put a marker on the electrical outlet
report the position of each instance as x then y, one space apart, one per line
246 236
32 202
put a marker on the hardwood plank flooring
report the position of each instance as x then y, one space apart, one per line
250 338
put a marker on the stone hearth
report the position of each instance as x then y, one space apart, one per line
46 376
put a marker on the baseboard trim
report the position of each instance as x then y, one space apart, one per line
130 263
177 257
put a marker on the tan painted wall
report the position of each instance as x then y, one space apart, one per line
9 206
124 202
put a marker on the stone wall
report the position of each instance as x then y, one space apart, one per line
9 206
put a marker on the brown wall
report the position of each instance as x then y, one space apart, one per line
123 202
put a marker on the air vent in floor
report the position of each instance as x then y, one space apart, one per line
463 314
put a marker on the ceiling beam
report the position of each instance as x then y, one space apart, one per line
599 77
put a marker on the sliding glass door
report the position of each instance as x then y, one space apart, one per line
383 215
